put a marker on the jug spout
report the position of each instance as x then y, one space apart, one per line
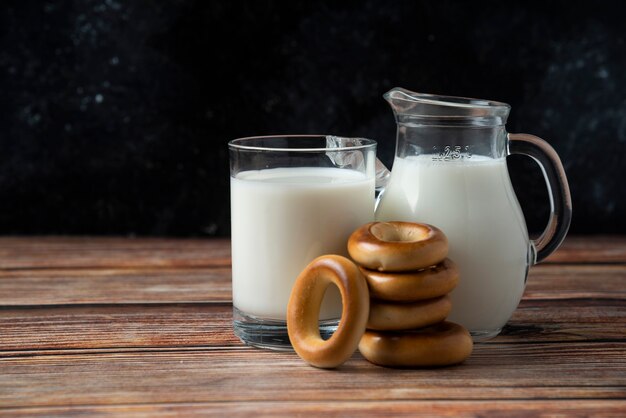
402 101
408 106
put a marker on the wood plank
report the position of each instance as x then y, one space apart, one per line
114 286
591 249
552 281
208 325
111 252
114 252
566 320
494 371
448 408
181 285
122 326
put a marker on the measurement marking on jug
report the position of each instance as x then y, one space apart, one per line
452 153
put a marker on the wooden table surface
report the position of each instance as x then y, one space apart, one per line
142 327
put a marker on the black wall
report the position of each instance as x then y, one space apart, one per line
114 116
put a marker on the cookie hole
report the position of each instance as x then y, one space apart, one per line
328 318
404 232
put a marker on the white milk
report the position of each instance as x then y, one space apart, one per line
473 202
282 219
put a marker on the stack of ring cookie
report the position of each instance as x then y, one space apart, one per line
409 278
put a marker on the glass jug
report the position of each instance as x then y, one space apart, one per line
450 171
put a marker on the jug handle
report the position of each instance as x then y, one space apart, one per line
558 190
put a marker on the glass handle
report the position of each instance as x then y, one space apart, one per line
381 177
558 190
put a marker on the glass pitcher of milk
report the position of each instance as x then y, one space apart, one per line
450 171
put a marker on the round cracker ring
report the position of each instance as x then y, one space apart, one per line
443 344
397 246
304 306
385 316
416 285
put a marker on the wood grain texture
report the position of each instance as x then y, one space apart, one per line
558 281
213 284
591 249
103 252
210 325
407 408
495 371
114 286
123 326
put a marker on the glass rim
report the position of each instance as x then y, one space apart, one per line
235 144
427 108
446 100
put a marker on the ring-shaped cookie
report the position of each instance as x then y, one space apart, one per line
422 284
304 307
443 344
385 316
397 246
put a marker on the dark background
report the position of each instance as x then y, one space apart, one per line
114 116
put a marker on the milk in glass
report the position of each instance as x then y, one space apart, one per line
283 218
473 203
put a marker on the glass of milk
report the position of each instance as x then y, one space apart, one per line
293 198
450 170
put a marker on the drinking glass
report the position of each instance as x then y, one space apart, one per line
293 198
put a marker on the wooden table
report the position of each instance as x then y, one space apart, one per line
112 326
